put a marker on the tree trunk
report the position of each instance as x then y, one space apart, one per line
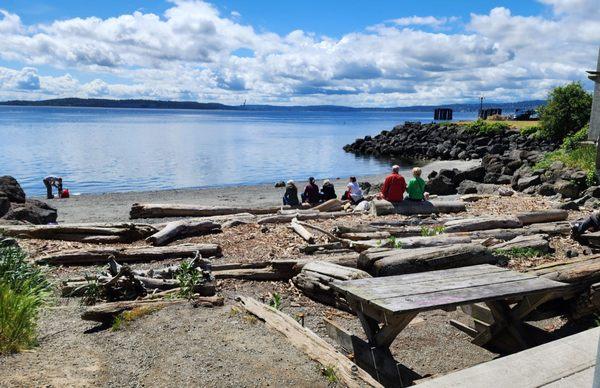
481 223
129 255
382 262
180 229
146 210
126 232
552 215
382 207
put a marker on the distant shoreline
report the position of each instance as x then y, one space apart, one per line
192 105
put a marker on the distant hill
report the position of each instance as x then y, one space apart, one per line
157 104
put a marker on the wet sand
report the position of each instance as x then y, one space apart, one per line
114 207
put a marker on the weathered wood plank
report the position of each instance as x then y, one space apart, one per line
382 207
536 217
565 361
481 223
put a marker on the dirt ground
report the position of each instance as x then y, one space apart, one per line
186 346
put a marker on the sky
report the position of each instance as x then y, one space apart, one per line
352 52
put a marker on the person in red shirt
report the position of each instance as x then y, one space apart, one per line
394 186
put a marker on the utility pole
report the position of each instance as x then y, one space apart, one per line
481 107
594 131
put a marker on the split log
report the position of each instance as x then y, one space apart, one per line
550 229
129 255
582 272
108 233
146 210
302 232
366 235
481 223
310 249
180 229
308 342
284 219
552 215
410 242
382 207
276 270
107 312
403 231
386 262
315 282
538 242
329 206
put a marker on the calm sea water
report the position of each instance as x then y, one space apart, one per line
100 150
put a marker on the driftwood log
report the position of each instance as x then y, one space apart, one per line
302 232
538 242
583 272
302 216
382 207
92 233
128 255
315 282
550 229
308 342
180 229
313 248
386 262
543 216
147 210
329 206
481 223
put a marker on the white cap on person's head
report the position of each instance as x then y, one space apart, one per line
291 182
395 168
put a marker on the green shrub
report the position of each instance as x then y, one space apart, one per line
23 290
534 130
567 111
189 278
582 157
482 127
571 142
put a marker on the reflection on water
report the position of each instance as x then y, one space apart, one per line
104 150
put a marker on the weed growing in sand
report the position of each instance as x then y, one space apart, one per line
92 292
395 243
275 301
189 278
434 231
125 318
23 290
329 373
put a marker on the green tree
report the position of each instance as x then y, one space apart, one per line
567 111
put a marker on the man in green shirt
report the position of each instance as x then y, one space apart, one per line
416 186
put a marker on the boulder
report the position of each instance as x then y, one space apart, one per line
12 189
467 187
476 174
4 206
440 185
526 182
32 211
593 191
568 189
546 189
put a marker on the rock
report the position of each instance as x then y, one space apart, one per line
12 189
8 242
593 191
32 211
557 166
504 180
491 177
4 205
280 184
570 205
546 189
505 192
581 201
571 253
440 185
526 182
530 190
363 206
432 174
567 188
475 174
592 203
467 187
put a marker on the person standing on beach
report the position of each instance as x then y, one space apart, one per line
291 194
50 181
311 192
416 186
394 186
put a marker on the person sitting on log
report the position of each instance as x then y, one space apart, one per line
590 223
50 181
291 194
394 186
416 187
311 193
354 192
327 191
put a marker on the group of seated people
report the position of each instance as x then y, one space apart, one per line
393 190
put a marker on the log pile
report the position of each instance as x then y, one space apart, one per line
89 233
315 281
128 255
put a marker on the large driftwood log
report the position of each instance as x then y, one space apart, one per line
315 281
550 229
129 255
302 216
386 262
366 236
538 242
147 210
345 231
329 206
310 249
180 229
481 223
125 232
382 207
302 232
308 342
583 271
552 215
410 242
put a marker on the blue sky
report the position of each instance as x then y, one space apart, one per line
360 53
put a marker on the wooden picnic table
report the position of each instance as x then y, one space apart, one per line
386 305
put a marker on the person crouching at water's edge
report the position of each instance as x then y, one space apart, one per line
291 194
394 186
311 192
50 181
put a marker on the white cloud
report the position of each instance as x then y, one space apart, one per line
192 52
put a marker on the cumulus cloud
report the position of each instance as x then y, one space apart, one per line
193 52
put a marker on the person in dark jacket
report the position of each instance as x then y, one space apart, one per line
311 193
291 194
580 227
51 181
328 191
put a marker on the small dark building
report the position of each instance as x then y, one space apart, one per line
484 113
442 114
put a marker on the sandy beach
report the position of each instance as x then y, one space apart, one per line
114 207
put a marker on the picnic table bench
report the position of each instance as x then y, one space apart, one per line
567 362
386 305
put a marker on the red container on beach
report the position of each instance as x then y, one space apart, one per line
64 193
